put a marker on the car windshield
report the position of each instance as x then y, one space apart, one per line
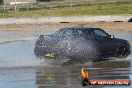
99 32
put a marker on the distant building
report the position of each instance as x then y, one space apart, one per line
7 2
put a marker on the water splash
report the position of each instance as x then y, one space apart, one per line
24 63
20 63
11 40
79 49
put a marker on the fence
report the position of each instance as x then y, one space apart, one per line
71 3
84 2
46 8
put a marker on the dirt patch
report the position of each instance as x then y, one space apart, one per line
104 25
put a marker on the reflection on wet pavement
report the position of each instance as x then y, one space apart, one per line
67 76
19 67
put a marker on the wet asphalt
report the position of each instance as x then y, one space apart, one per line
20 68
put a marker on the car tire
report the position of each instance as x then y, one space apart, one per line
122 51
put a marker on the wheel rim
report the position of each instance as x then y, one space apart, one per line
122 51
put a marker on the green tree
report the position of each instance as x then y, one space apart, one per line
1 1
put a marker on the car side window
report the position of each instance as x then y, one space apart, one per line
68 32
71 32
76 32
100 33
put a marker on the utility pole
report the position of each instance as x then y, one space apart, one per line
4 6
27 7
15 6
71 3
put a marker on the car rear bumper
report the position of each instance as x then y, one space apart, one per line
43 50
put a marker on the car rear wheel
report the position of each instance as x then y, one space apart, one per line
122 52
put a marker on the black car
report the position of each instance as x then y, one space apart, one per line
81 44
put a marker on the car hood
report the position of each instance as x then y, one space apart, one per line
121 41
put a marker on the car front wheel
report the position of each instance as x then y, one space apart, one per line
122 51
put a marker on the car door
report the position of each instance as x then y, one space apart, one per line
103 42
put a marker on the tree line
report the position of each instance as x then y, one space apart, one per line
1 1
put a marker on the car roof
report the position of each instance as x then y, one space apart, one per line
79 28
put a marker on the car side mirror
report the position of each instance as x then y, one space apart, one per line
111 36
